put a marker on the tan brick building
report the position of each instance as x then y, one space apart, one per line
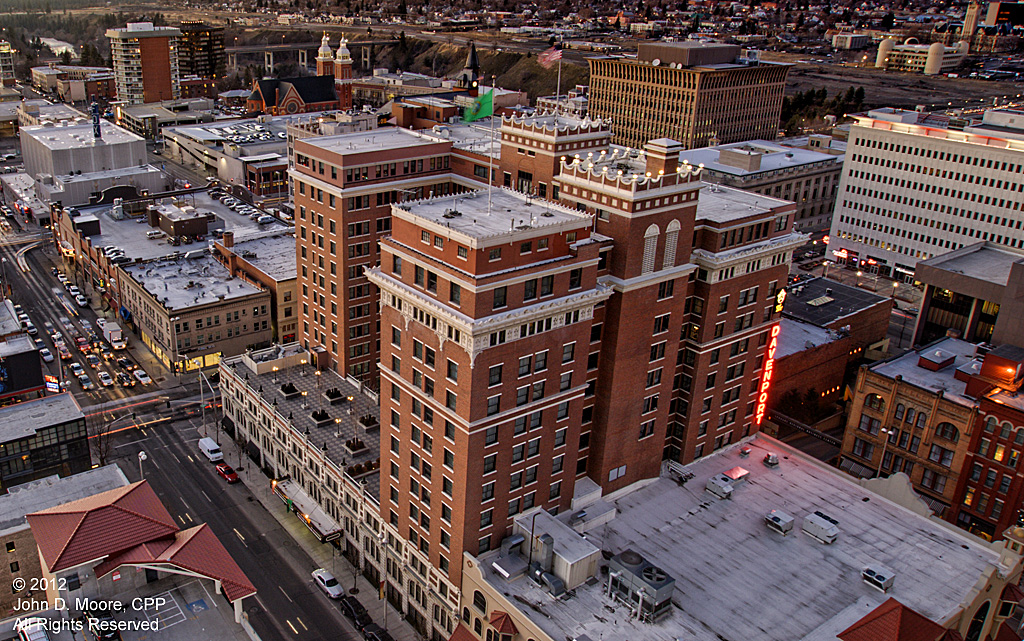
698 94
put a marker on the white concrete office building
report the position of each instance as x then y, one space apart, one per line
916 185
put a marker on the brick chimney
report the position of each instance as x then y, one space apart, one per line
662 156
228 240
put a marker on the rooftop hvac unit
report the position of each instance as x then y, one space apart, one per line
779 521
878 577
720 486
822 527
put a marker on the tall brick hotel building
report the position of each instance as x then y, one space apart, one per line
599 311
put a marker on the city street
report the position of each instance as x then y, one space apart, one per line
288 605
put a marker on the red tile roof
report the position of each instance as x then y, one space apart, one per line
129 525
1012 593
502 622
1006 633
462 633
892 621
99 525
197 550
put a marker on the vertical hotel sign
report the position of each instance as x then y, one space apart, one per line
769 362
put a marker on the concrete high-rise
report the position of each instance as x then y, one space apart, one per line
696 94
145 62
916 185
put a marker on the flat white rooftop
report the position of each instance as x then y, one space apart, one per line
720 204
737 580
273 253
984 261
374 140
54 490
943 380
69 135
184 283
508 212
774 158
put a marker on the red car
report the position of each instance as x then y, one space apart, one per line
227 473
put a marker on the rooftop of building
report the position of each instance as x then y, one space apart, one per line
141 30
372 141
736 579
24 419
273 253
332 436
722 204
264 130
479 217
50 112
106 174
908 367
129 234
773 158
52 491
476 137
9 323
183 283
984 261
173 109
823 302
796 336
17 344
77 135
10 109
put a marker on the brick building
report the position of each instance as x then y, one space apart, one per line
145 62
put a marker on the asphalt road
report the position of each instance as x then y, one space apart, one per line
288 606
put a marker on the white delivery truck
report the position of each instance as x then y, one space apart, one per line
112 332
211 450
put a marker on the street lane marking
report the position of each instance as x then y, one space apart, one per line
191 460
291 626
131 443
153 461
176 459
285 594
189 517
181 519
207 496
186 504
241 538
302 624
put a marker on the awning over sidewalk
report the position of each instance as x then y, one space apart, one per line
309 512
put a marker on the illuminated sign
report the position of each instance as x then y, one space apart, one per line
766 379
825 240
52 384
839 253
780 298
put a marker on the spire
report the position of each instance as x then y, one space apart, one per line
472 60
343 52
325 47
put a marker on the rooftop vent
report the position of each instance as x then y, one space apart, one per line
878 577
721 486
779 521
633 580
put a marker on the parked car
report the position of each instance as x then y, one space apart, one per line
142 377
325 580
227 473
101 322
31 329
74 291
374 632
353 609
81 301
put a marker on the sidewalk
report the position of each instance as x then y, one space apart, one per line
908 295
322 554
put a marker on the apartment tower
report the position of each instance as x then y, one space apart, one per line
201 50
145 62
697 94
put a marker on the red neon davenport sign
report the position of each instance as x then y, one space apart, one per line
766 379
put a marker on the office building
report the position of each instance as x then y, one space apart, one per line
573 103
201 50
6 64
697 94
916 185
145 62
42 437
661 559
808 177
150 119
850 41
912 57
970 291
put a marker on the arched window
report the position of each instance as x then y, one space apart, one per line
922 418
909 418
990 424
978 622
479 602
1018 436
947 431
1005 429
465 614
650 248
900 410
875 402
671 240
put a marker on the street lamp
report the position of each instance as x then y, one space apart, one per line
895 286
885 432
859 274
142 457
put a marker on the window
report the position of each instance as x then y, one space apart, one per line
576 278
941 455
658 351
453 370
567 352
493 405
495 253
490 463
661 323
500 294
665 289
877 403
494 375
947 431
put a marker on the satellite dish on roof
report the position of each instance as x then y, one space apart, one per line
656 62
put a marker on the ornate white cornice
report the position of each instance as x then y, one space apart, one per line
721 260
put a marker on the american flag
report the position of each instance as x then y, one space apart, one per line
549 57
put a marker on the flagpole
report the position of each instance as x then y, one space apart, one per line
558 87
490 151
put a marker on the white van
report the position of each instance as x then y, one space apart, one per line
211 450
